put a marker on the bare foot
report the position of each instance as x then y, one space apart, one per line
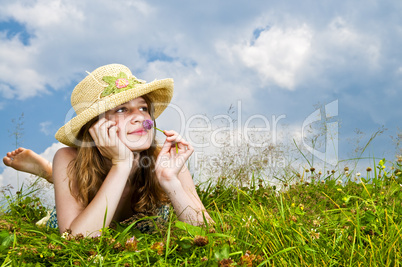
26 160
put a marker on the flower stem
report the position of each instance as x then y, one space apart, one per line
177 148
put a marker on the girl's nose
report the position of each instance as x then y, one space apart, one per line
137 117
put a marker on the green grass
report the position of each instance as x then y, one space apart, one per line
330 219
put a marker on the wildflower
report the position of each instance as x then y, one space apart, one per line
358 174
96 258
333 171
314 235
339 189
368 169
131 244
200 241
293 204
307 170
79 236
158 246
65 235
312 169
247 259
225 262
346 169
319 173
345 199
301 206
117 246
347 172
147 124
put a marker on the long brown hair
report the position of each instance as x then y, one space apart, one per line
89 169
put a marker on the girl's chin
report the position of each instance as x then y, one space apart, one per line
139 148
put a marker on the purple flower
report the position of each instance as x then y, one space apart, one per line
148 124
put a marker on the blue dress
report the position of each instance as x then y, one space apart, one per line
145 226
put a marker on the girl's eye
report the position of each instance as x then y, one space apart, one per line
145 109
120 110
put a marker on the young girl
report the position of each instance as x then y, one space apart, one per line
112 166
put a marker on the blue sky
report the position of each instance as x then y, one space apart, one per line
275 58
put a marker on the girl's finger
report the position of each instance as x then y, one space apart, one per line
104 137
181 145
188 152
165 148
113 137
94 130
176 138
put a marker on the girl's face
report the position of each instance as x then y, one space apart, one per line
129 117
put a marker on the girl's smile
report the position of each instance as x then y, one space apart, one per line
139 132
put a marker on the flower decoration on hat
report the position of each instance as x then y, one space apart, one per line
119 84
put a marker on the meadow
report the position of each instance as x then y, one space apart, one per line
309 217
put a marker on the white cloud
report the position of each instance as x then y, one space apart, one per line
44 127
342 43
277 54
43 13
64 36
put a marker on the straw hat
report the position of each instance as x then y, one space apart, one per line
108 87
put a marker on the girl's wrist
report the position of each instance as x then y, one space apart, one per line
122 164
170 184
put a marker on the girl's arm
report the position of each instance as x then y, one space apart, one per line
73 215
176 180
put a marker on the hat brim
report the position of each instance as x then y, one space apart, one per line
160 93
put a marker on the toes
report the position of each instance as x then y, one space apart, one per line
7 161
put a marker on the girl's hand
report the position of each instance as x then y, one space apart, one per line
104 134
170 160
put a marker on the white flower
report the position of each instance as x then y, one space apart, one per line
64 235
